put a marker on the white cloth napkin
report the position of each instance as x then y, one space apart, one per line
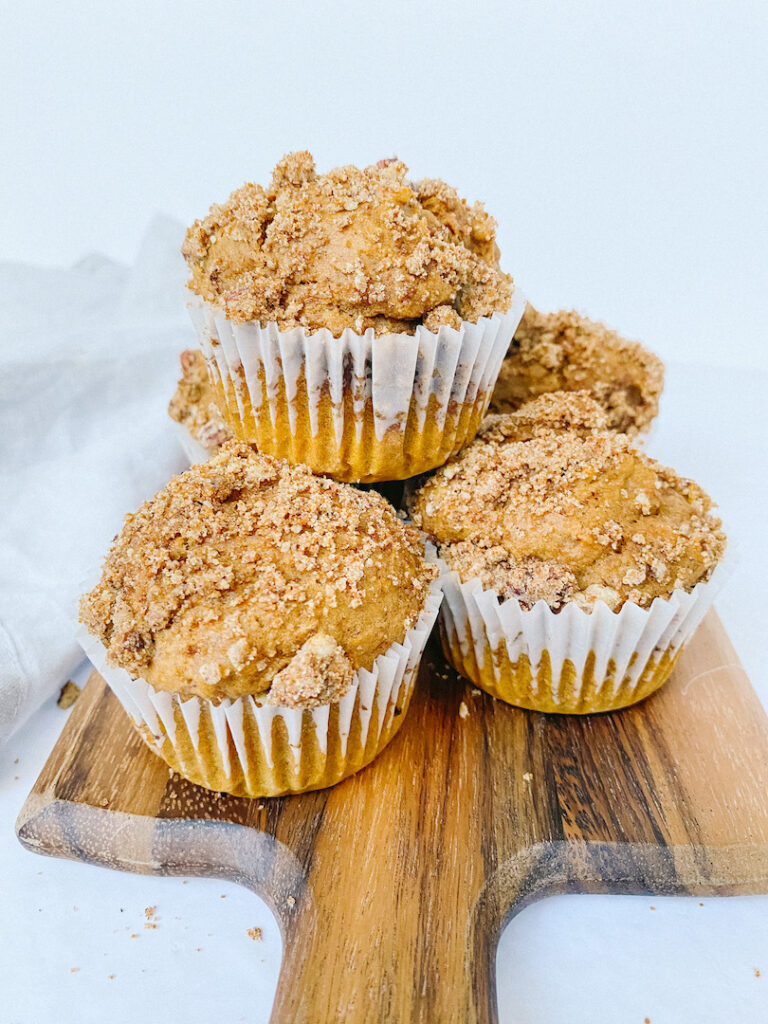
88 364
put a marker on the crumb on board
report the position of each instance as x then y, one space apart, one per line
134 935
69 693
111 977
653 908
475 691
150 912
757 972
256 934
290 900
73 970
527 777
463 710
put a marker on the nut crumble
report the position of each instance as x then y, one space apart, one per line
567 517
246 572
353 248
194 403
549 413
565 351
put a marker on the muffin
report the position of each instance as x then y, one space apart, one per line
354 321
576 567
262 626
553 412
201 427
564 351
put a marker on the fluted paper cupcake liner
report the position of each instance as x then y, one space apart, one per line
572 661
249 748
359 408
191 447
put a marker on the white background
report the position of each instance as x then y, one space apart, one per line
621 146
623 149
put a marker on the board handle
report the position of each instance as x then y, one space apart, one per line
388 960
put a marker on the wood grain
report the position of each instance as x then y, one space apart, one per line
392 888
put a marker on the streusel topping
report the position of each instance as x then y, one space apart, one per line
194 403
551 413
350 248
565 351
565 517
319 673
223 581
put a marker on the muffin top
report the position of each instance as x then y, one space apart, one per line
569 517
566 351
553 412
194 403
348 249
246 575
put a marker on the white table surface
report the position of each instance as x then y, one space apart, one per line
623 151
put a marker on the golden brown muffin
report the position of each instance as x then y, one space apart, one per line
564 351
551 413
565 517
245 573
194 403
348 249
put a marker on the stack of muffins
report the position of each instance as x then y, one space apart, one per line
262 618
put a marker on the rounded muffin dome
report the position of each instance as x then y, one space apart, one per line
245 571
353 248
565 351
569 516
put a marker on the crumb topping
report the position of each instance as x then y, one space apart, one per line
353 248
565 517
435 318
318 673
68 694
550 413
565 351
528 580
216 584
194 403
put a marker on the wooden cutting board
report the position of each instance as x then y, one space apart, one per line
392 888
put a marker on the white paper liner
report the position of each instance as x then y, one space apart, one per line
191 447
394 373
389 685
622 643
